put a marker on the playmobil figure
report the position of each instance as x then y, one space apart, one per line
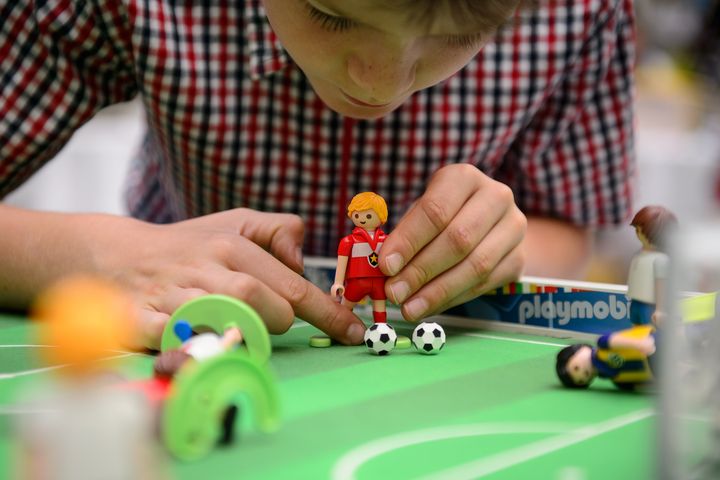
358 275
157 389
649 268
206 345
626 357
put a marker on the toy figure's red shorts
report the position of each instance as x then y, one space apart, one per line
358 288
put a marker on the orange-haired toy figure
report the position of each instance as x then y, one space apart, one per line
357 275
80 426
84 319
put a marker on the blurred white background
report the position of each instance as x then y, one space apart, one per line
88 175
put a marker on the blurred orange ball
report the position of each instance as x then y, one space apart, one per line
85 319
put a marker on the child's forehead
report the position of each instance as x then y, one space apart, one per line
429 17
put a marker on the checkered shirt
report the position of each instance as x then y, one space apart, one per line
546 108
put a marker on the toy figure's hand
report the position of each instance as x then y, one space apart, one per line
646 346
249 255
337 290
658 318
460 239
231 338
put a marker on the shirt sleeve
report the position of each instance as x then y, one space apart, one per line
661 266
60 62
345 246
575 158
604 341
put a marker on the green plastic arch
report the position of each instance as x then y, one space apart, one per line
219 312
201 393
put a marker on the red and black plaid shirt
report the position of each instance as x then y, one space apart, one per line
546 108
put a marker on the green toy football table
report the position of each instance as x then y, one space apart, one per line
487 406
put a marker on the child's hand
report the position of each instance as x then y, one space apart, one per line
246 254
460 239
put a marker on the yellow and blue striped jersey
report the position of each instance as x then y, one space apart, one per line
623 365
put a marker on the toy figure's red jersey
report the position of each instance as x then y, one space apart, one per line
362 250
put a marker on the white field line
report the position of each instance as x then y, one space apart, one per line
509 458
346 467
27 346
7 376
517 340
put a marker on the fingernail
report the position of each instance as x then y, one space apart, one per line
394 263
355 334
400 291
299 258
416 308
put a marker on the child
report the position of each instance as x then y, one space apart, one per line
625 357
357 275
649 268
477 119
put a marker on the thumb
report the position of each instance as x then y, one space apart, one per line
280 233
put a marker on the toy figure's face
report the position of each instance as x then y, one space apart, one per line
580 368
366 219
364 58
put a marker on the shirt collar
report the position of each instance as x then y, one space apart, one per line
266 54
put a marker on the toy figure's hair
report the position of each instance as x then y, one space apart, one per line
169 362
369 201
563 357
487 15
655 223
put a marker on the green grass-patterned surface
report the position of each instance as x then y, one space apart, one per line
482 407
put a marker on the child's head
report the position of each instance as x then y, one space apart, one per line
653 224
368 210
574 366
366 57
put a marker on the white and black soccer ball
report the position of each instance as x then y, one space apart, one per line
428 338
380 338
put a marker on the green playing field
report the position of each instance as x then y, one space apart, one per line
487 406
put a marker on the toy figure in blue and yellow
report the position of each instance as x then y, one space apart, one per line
649 268
358 274
626 357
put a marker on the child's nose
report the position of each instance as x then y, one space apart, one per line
382 77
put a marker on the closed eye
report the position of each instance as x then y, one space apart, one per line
463 41
328 22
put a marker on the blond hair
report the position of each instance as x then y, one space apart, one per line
369 201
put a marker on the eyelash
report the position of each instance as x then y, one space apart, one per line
332 23
329 22
463 41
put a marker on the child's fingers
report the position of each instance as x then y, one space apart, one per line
306 300
498 258
429 216
452 246
152 324
174 297
275 311
506 271
280 233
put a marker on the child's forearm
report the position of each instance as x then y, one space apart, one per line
555 248
37 248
